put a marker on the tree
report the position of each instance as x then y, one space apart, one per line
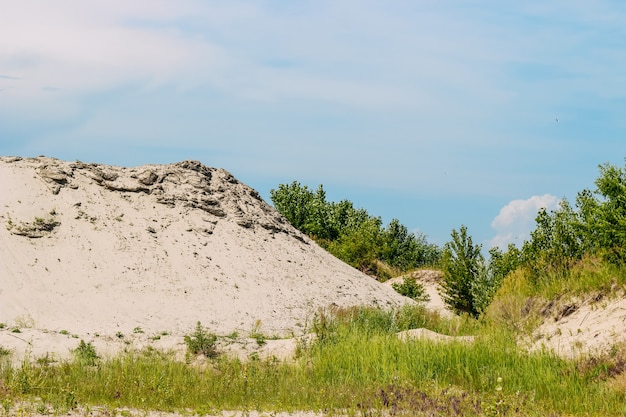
603 213
351 234
360 246
465 286
502 263
406 250
294 202
597 227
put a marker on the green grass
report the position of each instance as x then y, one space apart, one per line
357 365
522 303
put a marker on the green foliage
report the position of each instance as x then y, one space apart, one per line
201 342
603 214
412 289
359 247
362 368
406 250
86 354
467 285
556 242
4 351
595 227
569 239
351 234
502 264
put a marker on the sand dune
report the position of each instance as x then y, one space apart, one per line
101 251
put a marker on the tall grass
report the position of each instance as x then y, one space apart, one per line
357 365
523 301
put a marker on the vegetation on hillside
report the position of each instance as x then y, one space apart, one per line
353 235
594 228
357 364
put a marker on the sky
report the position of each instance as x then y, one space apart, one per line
436 113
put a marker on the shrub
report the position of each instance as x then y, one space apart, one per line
86 354
201 342
412 289
4 351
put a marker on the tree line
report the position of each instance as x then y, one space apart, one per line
352 234
594 226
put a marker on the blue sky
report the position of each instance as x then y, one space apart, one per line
438 113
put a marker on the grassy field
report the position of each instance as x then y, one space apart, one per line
357 365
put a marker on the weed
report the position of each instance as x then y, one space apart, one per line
257 335
42 409
86 354
6 405
36 228
64 332
119 335
200 342
26 322
137 330
45 360
4 351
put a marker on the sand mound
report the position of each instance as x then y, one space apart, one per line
581 327
92 251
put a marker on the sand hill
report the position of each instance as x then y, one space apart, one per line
103 252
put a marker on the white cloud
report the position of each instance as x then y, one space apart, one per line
517 219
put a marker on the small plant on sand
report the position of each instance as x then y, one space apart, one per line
257 335
412 289
201 342
36 228
86 354
4 351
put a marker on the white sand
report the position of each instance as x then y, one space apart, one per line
138 252
587 327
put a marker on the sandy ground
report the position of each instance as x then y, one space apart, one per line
126 257
583 327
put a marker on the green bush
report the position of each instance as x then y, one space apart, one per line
351 234
201 342
412 289
86 354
